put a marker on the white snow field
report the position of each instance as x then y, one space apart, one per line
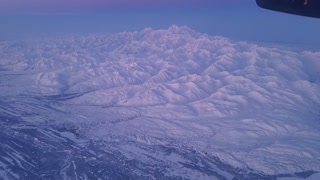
254 107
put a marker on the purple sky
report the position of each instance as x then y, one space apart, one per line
73 6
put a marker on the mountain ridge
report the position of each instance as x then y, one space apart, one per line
239 101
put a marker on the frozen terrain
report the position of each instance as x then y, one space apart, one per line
158 104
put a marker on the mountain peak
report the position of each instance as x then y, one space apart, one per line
175 29
180 29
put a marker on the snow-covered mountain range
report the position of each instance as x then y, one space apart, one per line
158 104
